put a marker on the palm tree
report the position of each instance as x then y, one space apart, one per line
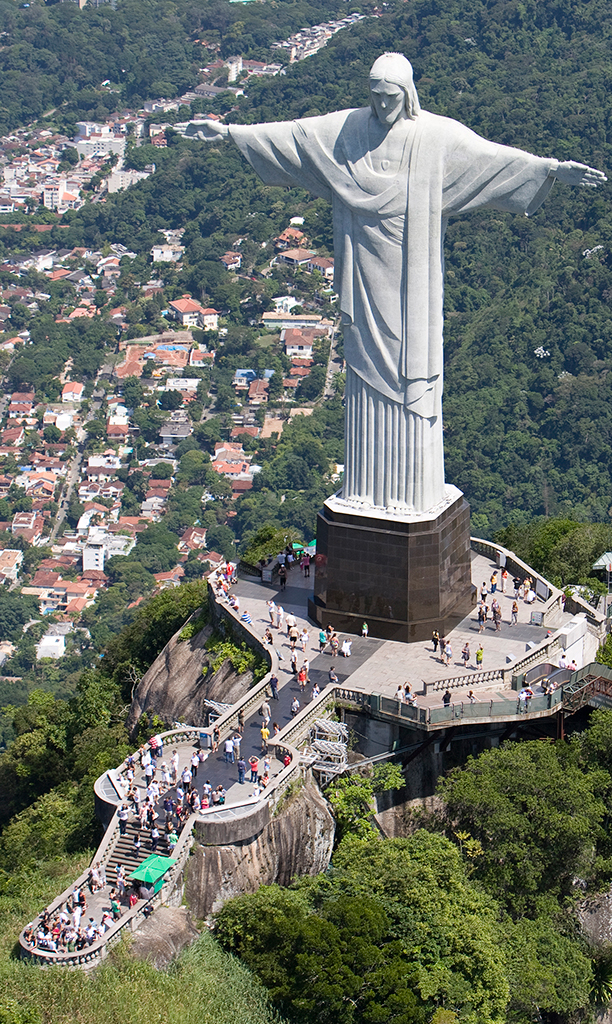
601 982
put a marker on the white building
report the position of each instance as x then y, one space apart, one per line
119 180
51 647
167 253
102 545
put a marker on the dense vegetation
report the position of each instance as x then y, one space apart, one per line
58 55
470 918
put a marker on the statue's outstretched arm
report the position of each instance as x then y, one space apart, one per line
207 131
572 173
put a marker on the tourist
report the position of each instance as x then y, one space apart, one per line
365 629
334 643
482 616
271 610
435 639
174 764
304 639
333 678
245 617
216 739
274 686
514 613
282 576
293 636
302 678
504 580
516 583
479 656
483 592
123 814
268 638
137 844
497 616
154 839
228 747
493 582
236 740
446 698
241 766
120 873
448 652
409 696
295 706
265 736
471 697
346 648
399 694
563 660
315 691
465 654
253 765
290 622
322 640
293 661
266 712
195 764
280 616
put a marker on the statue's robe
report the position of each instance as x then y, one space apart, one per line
388 249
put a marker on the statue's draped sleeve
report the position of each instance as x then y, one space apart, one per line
452 171
447 169
277 152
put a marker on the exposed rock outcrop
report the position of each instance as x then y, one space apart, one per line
162 937
175 688
298 841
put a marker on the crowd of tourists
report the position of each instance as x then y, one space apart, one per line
70 928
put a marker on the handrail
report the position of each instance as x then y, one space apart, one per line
594 617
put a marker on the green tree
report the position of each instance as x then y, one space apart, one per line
536 813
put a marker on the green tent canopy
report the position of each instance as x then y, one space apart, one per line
152 870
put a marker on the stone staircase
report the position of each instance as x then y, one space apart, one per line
124 853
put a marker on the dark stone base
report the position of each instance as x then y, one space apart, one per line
403 578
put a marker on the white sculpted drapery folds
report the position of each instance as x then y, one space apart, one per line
394 175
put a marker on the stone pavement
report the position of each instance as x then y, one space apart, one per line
379 665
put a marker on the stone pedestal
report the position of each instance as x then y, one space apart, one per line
403 575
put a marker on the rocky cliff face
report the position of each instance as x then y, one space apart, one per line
298 841
175 688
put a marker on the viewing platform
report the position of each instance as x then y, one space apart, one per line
515 656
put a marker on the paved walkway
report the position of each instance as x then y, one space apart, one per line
379 665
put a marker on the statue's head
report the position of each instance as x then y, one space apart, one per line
392 90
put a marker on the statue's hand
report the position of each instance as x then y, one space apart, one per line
572 173
207 130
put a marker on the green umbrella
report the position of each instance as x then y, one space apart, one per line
152 869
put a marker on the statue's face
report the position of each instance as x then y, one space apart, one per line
388 102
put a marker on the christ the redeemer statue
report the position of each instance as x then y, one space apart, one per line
394 174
